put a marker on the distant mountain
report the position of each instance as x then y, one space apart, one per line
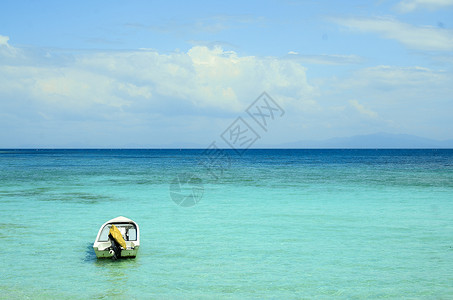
377 140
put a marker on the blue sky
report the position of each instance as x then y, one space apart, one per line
174 73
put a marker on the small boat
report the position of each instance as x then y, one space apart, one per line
119 237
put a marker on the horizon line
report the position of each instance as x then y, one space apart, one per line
230 149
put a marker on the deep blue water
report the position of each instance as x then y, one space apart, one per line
266 224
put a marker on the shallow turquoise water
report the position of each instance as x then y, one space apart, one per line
277 224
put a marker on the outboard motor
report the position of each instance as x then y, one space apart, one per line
115 248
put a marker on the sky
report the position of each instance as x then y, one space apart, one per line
115 74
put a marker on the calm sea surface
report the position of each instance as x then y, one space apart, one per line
280 224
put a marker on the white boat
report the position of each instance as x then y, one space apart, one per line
111 245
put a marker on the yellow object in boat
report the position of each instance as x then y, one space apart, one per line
116 235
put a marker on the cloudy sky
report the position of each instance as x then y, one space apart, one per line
178 73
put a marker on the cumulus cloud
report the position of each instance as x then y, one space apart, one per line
200 80
406 6
414 37
164 96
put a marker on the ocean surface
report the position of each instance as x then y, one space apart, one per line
267 224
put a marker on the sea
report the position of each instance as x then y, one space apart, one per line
254 224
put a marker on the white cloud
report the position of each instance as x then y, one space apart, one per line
415 37
202 79
325 59
393 84
400 77
414 100
169 97
6 51
4 40
362 109
406 6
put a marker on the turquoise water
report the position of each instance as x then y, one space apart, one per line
280 224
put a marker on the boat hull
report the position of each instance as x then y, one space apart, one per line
132 253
